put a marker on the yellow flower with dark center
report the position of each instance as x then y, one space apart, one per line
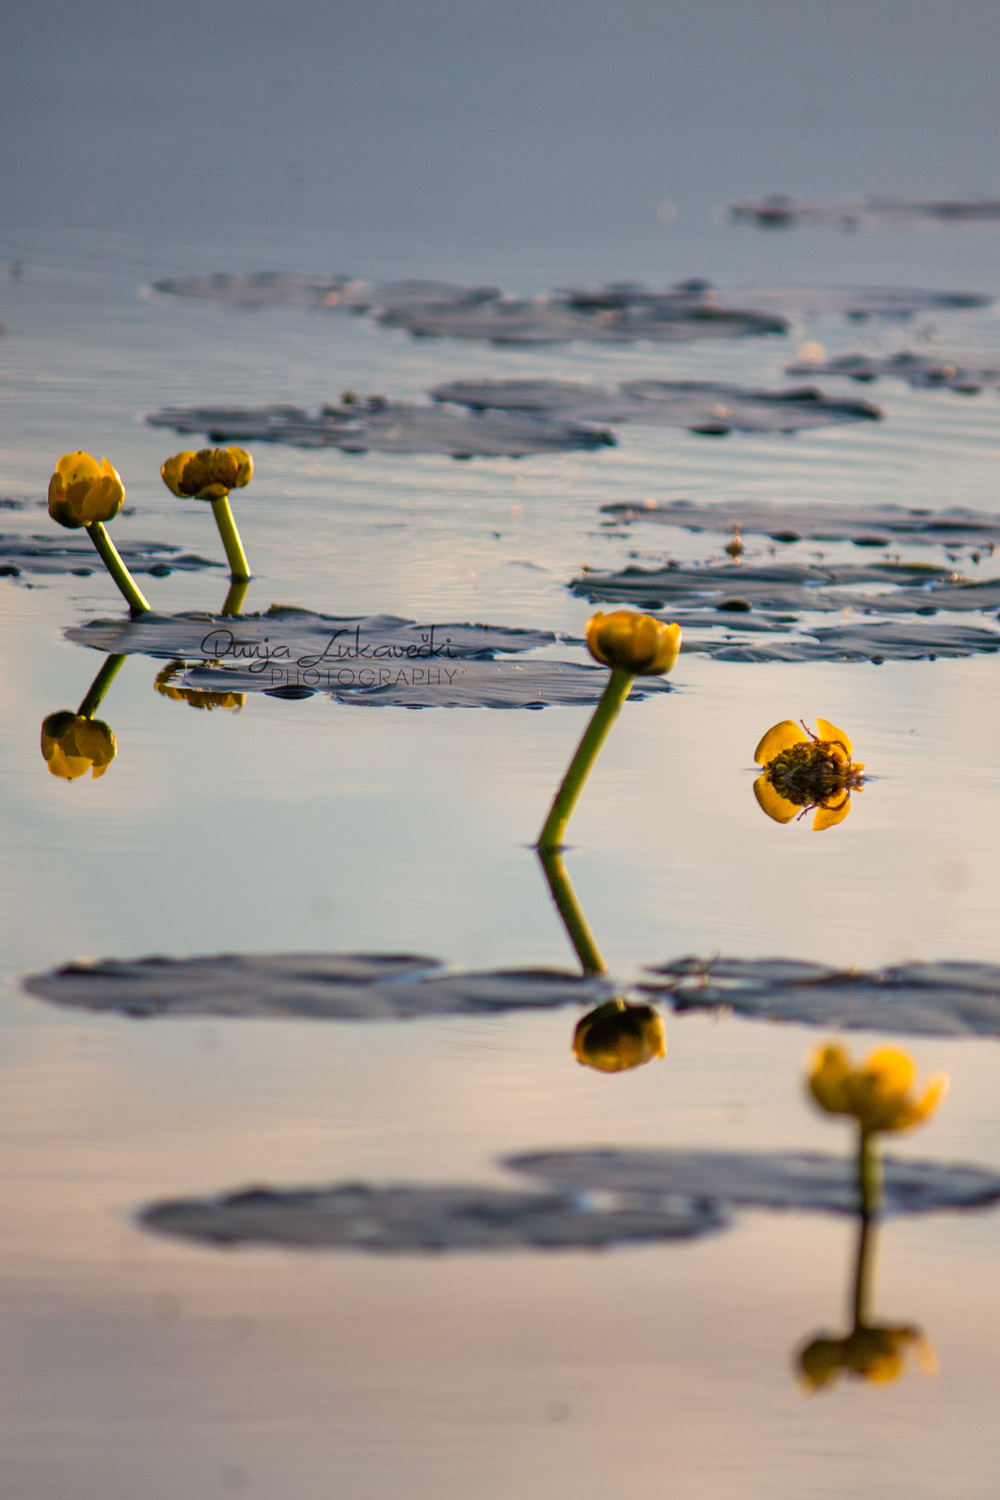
197 698
83 491
633 643
803 771
877 1094
616 1036
208 474
876 1354
72 745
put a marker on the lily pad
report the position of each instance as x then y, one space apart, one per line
379 659
558 319
919 370
308 986
334 293
781 212
795 301
761 1179
947 998
709 407
871 525
421 1217
379 426
54 554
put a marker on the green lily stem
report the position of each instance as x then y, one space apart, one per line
234 599
575 923
137 604
239 568
587 751
870 1195
99 687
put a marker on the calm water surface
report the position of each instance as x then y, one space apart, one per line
142 1367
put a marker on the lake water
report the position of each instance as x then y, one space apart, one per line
144 1366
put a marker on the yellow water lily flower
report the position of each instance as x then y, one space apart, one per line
72 745
83 491
634 643
803 771
196 697
877 1093
876 1354
208 474
616 1036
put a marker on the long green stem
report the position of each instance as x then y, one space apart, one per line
870 1204
869 1173
864 1273
575 923
234 599
239 568
99 687
596 733
137 604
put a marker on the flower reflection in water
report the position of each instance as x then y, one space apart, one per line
803 771
194 696
877 1354
75 743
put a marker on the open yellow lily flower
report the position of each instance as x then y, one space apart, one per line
72 745
616 1037
196 697
803 771
877 1093
208 474
876 1354
83 491
634 643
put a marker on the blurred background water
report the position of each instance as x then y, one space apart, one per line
534 149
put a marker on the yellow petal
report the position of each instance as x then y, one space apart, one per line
69 767
830 1080
890 1070
922 1109
779 737
76 466
829 817
773 803
828 731
244 471
172 470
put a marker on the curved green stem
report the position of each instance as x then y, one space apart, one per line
596 733
234 599
575 923
137 604
99 687
239 568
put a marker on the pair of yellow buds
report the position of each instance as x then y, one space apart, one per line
83 491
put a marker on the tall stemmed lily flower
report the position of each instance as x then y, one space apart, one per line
803 771
210 474
880 1096
632 645
616 1036
73 744
83 492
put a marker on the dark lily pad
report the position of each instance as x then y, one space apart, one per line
919 370
919 999
381 659
781 212
379 426
422 1217
794 301
75 553
867 525
308 986
764 1179
335 293
705 406
557 319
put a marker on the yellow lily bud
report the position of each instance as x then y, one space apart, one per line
72 745
877 1094
616 1036
83 491
876 1354
803 771
208 474
634 643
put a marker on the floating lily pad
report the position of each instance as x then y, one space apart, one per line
764 1179
335 293
421 1217
309 986
795 301
709 407
871 525
378 426
781 212
919 999
556 320
76 554
380 659
919 370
